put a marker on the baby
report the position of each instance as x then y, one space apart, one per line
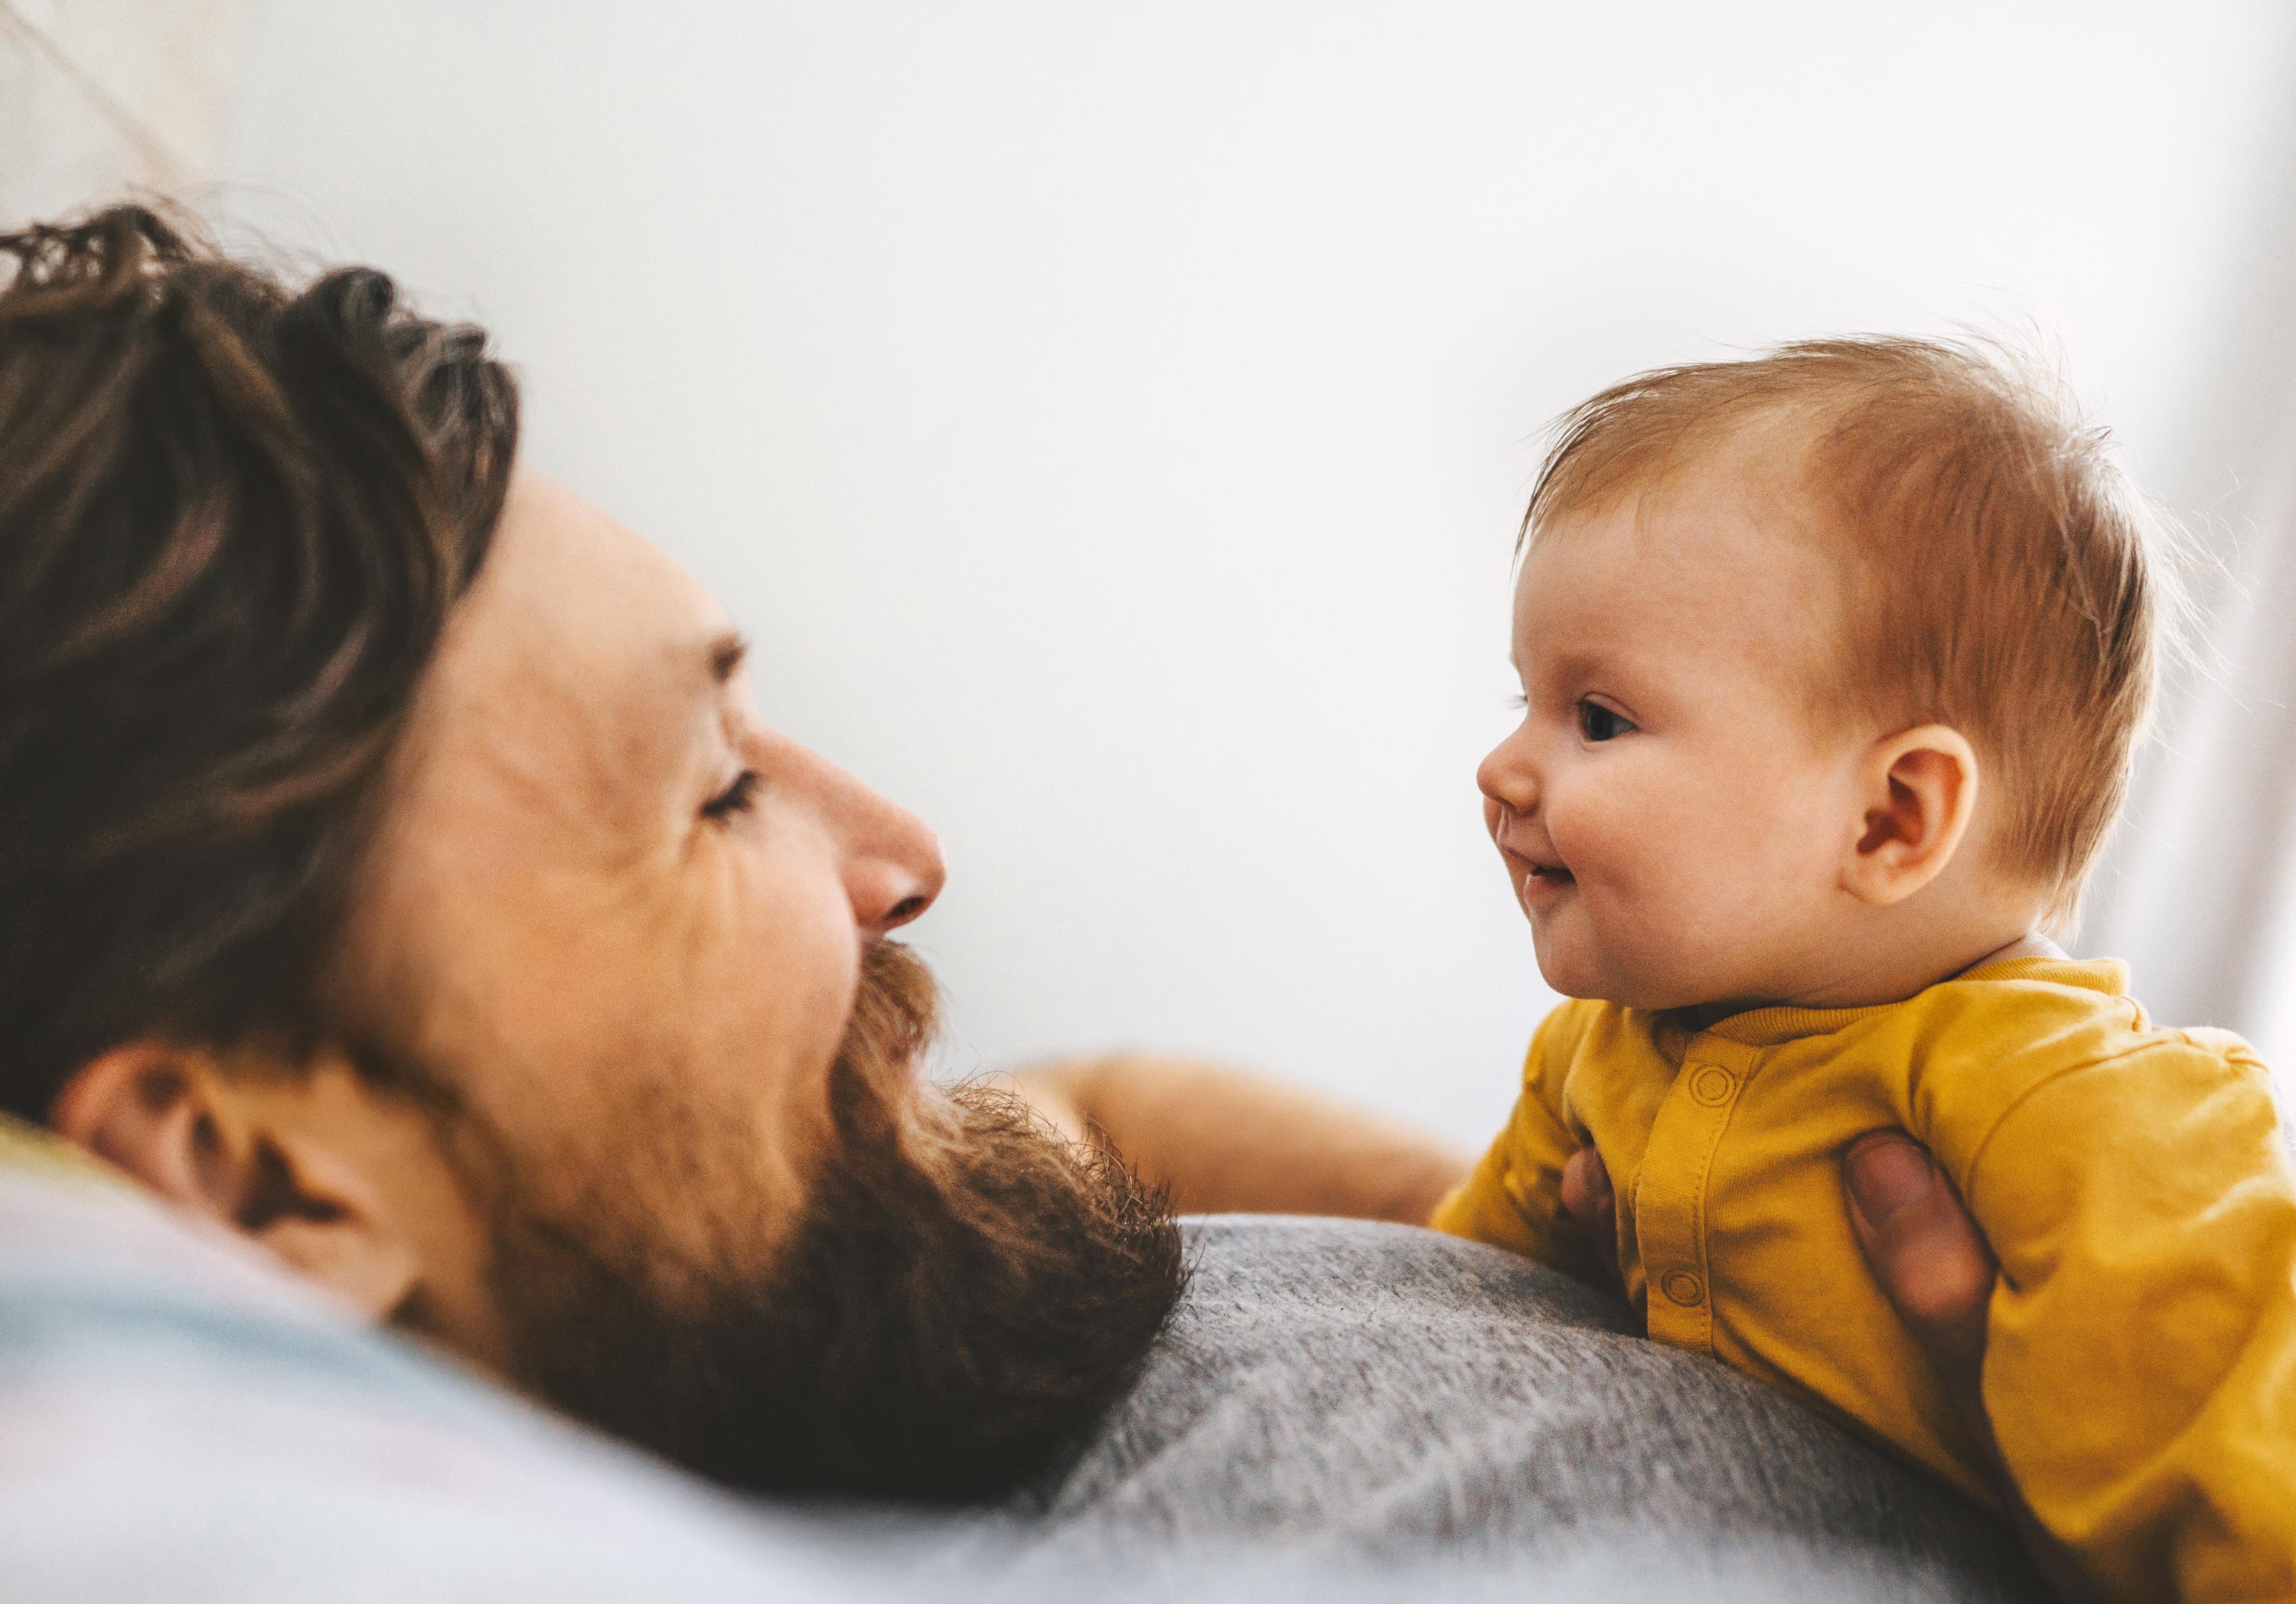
1832 663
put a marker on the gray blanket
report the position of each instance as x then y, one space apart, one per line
1359 1398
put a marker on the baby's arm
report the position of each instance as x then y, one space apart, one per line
1513 1195
2141 1360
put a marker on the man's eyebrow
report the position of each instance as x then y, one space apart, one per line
725 655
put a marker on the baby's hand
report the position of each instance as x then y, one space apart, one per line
1588 1200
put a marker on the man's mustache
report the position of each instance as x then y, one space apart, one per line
896 1014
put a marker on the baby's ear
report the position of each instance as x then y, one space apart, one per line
1919 793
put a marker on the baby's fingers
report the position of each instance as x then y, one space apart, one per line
1593 1208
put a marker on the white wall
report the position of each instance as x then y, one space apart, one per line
1109 421
96 96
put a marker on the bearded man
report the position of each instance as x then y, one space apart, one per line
394 865
394 871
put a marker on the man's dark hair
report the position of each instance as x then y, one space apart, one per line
233 518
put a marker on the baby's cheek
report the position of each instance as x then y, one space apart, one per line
1790 833
1646 882
1627 842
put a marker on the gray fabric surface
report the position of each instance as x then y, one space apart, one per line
1347 1395
1341 1412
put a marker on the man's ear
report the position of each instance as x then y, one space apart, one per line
1919 794
272 1153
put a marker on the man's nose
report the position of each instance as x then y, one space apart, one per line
889 858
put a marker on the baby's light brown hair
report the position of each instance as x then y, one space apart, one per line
2002 574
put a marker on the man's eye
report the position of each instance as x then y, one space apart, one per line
736 797
1598 723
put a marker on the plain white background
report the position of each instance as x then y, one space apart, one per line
1110 421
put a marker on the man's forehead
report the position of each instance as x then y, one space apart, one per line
580 634
586 585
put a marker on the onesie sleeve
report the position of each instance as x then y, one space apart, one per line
1514 1196
2141 1361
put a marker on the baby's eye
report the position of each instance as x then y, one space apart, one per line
1599 723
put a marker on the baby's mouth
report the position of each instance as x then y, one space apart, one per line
1548 875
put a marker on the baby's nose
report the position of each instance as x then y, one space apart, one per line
1508 780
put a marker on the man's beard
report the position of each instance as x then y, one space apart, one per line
966 1292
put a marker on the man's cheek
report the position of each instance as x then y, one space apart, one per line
792 950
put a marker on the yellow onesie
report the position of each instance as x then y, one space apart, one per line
2141 1365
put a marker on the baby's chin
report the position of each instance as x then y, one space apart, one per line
1577 967
1567 966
